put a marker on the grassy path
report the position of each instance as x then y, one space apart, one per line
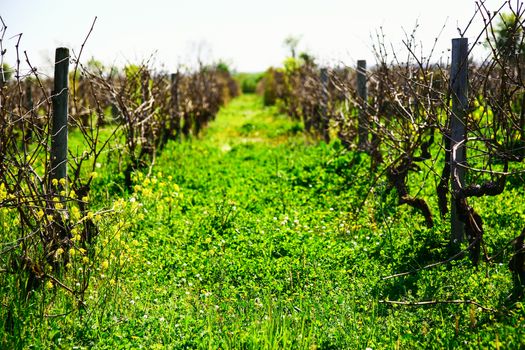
254 257
249 238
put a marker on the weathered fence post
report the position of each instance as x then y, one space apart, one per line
29 97
3 76
362 94
59 122
2 82
325 122
458 122
29 105
175 105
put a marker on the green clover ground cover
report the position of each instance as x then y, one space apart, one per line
254 238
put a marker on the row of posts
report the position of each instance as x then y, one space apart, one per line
459 89
458 117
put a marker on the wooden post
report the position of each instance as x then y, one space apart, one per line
28 104
325 123
2 82
458 122
29 96
362 94
59 122
3 76
175 105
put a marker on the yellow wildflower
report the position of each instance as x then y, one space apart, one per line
75 213
3 192
49 285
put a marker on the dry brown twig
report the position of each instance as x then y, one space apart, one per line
438 302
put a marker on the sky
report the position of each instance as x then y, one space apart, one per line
247 34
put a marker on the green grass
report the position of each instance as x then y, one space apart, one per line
248 81
252 238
